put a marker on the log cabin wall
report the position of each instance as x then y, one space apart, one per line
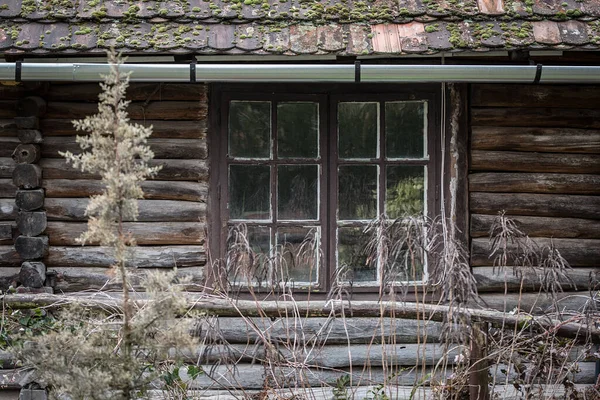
535 153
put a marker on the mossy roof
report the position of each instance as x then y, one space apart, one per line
292 27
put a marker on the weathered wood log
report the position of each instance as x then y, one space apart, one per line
27 154
212 305
8 128
145 233
507 161
9 256
534 183
172 170
153 190
30 248
537 205
527 279
70 279
8 108
162 148
515 95
27 122
60 209
27 176
536 303
30 136
5 232
8 210
32 274
89 92
7 189
578 252
588 118
541 226
31 223
32 106
326 331
7 166
160 129
478 362
165 110
30 200
552 140
144 257
7 145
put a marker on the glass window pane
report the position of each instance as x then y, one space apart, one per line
297 191
358 125
297 130
405 129
249 192
298 248
250 129
405 265
353 261
405 192
357 192
248 254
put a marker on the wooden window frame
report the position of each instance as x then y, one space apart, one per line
326 95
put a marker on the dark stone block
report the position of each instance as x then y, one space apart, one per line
30 200
27 176
32 223
31 248
32 274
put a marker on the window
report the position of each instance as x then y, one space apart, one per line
302 177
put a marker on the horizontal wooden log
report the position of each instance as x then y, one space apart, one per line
31 223
507 161
31 106
6 233
536 303
162 148
8 210
14 90
145 233
9 257
7 145
526 279
160 129
515 95
27 154
27 122
7 166
27 176
326 331
164 110
578 252
7 189
172 170
30 200
153 190
144 256
73 209
540 226
551 140
8 108
30 248
69 279
135 92
588 118
536 205
30 136
534 183
8 128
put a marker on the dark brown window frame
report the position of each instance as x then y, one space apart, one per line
325 95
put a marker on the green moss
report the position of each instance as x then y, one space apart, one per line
4 7
432 28
163 12
83 31
196 9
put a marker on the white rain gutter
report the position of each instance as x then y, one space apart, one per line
91 72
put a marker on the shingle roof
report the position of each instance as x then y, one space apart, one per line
345 27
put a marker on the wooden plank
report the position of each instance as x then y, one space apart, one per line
551 140
536 205
172 170
508 161
164 110
7 166
162 148
578 252
534 183
329 331
145 233
160 129
516 95
135 92
540 226
490 279
7 189
144 256
153 190
70 279
8 210
73 209
588 118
